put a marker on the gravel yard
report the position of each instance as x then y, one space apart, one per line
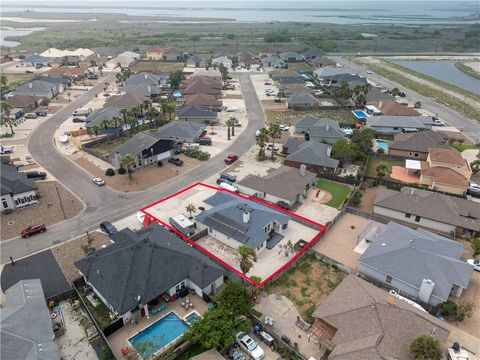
47 211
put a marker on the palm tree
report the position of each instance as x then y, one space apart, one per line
93 63
274 132
127 162
383 170
6 120
95 129
115 121
223 73
3 79
190 208
395 91
230 123
262 139
195 38
171 107
164 107
100 68
426 347
235 121
246 256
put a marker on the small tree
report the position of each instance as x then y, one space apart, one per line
464 310
395 91
274 132
426 347
223 73
100 68
190 208
475 243
3 79
262 139
127 162
230 123
383 170
195 38
417 105
6 120
475 166
176 78
246 256
93 63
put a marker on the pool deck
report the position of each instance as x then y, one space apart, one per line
120 338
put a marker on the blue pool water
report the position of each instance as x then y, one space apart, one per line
192 318
177 93
381 144
359 114
160 333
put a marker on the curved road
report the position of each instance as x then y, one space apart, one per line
470 128
104 203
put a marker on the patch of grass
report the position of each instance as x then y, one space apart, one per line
300 66
308 314
157 66
467 70
461 147
288 117
304 267
373 163
304 290
108 146
99 312
338 191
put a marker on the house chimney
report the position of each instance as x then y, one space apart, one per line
329 151
246 214
303 169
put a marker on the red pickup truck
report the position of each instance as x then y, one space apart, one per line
230 159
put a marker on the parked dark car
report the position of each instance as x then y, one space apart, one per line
283 204
223 180
230 159
204 141
229 177
176 161
36 175
108 228
33 229
474 190
41 113
79 119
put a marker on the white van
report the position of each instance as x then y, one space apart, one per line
82 112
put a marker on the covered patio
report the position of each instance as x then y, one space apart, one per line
408 174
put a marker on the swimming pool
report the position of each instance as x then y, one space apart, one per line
159 334
359 114
381 144
191 318
177 93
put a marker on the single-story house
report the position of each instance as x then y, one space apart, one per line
385 124
361 321
312 53
416 263
291 89
440 213
196 61
322 130
145 147
246 59
324 73
26 325
63 79
274 62
36 60
141 266
197 114
154 53
104 52
125 101
145 78
202 86
376 96
222 60
316 156
144 90
24 102
172 53
266 52
125 59
7 53
415 145
302 101
206 101
75 73
291 56
17 190
181 131
283 184
445 170
69 61
391 107
82 53
322 61
352 79
107 120
39 88
235 221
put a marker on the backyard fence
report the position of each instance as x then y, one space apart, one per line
199 235
329 261
344 180
370 216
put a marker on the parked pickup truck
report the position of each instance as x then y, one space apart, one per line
231 158
6 149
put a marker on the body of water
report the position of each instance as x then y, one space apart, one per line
339 12
444 70
7 31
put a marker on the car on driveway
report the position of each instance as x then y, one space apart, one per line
222 180
35 175
41 113
473 190
284 127
474 263
205 140
283 204
249 345
31 116
176 161
108 228
229 177
32 230
6 149
98 181
231 158
79 119
272 147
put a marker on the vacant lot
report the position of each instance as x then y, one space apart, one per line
373 163
300 66
47 211
307 284
288 117
157 66
338 191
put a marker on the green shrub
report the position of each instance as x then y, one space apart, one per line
110 172
475 246
464 310
7 211
357 198
122 171
196 153
449 308
257 313
159 163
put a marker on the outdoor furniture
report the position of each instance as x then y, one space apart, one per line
154 311
268 320
125 350
163 307
166 297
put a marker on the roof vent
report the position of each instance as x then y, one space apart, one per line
383 244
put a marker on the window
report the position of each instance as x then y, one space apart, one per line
388 280
4 203
417 218
395 128
17 202
408 216
416 154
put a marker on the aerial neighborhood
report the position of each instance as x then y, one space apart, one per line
161 202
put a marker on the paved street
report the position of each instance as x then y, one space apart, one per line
469 128
103 203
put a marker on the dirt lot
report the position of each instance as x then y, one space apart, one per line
47 211
143 178
288 117
72 251
157 65
368 198
307 284
339 243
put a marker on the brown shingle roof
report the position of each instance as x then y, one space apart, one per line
447 156
427 204
391 107
22 101
369 327
203 100
418 141
444 175
69 71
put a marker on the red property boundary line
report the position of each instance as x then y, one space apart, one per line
253 198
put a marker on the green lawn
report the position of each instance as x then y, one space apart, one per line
339 191
157 65
374 162
461 147
300 66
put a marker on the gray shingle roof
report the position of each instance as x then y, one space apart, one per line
411 256
137 143
125 101
368 327
226 216
302 98
312 52
431 205
106 113
327 71
290 55
142 89
147 262
36 88
181 130
36 59
195 111
14 182
284 182
324 128
313 153
26 327
421 122
144 78
418 141
272 61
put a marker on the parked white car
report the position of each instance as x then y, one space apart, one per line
228 187
474 263
250 346
98 181
6 149
271 147
284 127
